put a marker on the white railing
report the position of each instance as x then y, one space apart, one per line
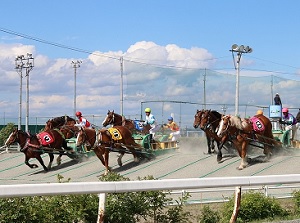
21 190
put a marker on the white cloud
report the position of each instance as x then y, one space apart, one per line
150 72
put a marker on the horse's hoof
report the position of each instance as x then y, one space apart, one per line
219 158
240 168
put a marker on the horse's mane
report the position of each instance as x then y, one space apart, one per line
238 122
216 114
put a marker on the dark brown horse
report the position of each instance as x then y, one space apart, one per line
208 129
209 123
51 142
65 124
135 126
59 122
116 139
241 132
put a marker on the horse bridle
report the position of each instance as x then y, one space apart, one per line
208 123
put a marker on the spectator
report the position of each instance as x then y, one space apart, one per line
277 99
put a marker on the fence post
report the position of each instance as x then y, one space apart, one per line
101 208
237 204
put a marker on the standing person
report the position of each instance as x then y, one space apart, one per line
82 122
277 99
150 119
290 121
175 134
298 116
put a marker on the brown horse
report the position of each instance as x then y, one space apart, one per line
116 139
209 123
135 126
210 138
59 122
65 124
241 132
33 146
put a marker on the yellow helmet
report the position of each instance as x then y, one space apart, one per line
147 110
259 112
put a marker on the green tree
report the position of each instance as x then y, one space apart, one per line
5 132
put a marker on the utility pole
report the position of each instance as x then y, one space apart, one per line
27 63
204 89
75 65
121 86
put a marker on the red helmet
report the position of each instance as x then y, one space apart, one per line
78 113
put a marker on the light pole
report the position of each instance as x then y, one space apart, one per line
75 65
27 63
239 50
19 65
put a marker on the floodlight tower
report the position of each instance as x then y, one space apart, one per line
75 65
27 63
19 66
239 50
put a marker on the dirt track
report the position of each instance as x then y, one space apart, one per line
190 161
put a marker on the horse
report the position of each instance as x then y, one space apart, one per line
33 145
209 123
244 131
134 126
116 139
210 140
65 124
60 121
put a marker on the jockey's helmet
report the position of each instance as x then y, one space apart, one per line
259 112
170 119
285 110
147 110
78 114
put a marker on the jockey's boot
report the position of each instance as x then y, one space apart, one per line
151 138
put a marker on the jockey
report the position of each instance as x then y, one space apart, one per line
259 112
175 134
150 119
290 121
82 122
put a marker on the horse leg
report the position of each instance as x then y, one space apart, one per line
244 162
209 142
30 165
58 159
120 159
106 158
51 160
100 152
219 155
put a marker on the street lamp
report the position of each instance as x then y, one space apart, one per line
75 65
239 50
27 63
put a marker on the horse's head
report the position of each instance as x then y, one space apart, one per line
13 137
197 119
86 136
48 125
224 126
205 119
109 119
69 131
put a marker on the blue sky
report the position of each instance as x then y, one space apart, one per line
181 34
